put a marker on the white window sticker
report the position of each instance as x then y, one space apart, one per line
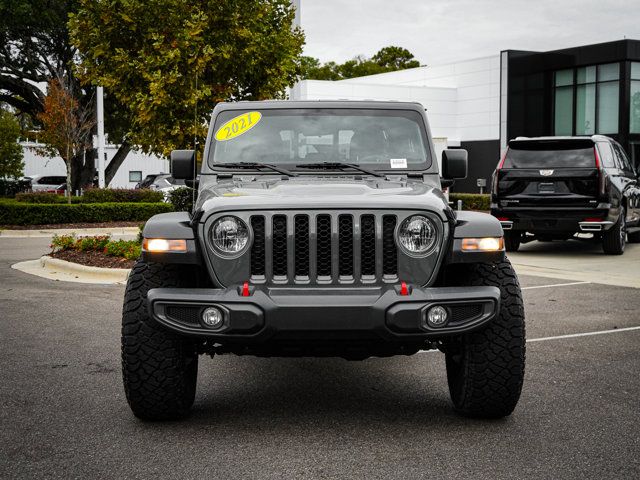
398 162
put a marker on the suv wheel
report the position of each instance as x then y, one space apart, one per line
614 239
512 241
159 369
485 368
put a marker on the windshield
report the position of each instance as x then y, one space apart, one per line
550 155
374 138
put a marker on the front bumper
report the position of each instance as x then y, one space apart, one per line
371 313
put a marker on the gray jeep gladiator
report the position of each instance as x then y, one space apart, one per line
321 229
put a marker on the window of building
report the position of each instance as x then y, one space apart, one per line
135 176
563 112
587 100
634 99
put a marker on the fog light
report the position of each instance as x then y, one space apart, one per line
437 316
213 317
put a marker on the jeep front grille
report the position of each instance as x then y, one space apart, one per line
323 248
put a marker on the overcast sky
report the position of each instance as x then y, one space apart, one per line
440 31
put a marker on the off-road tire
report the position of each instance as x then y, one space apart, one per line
159 368
512 241
485 368
614 239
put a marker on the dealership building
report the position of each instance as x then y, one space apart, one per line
480 104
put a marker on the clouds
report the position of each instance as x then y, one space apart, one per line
439 31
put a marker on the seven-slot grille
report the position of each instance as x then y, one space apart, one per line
323 248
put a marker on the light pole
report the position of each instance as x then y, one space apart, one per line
101 147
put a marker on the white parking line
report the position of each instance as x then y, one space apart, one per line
585 334
561 337
555 285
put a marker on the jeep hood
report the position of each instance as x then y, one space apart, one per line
329 192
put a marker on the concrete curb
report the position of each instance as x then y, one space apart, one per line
114 232
56 269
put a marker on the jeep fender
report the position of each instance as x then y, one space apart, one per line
172 226
474 225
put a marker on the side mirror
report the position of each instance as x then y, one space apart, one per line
183 164
454 164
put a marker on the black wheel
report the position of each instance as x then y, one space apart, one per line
614 239
159 368
512 241
634 237
485 368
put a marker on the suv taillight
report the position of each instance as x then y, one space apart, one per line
601 174
496 174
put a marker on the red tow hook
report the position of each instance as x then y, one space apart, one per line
404 290
245 289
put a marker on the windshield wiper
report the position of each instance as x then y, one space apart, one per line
256 165
339 166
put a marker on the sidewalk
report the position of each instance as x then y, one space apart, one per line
578 261
43 233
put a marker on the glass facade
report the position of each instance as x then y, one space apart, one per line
634 99
586 100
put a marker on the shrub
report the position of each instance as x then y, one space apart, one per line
182 199
99 242
63 242
113 195
10 187
40 197
129 249
471 201
15 213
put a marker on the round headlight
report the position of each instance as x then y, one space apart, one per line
417 234
229 235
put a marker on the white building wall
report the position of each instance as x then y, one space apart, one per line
37 164
462 98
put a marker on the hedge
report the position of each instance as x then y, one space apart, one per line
471 201
15 213
108 195
95 195
44 197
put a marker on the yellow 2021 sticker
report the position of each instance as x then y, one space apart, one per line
238 125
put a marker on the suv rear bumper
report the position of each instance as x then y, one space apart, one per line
374 313
554 220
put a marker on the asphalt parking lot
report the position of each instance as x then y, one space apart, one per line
63 413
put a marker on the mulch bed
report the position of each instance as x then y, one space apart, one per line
71 225
93 259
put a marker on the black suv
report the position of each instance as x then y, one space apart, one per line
550 188
320 229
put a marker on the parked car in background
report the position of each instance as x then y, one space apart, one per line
165 183
148 180
45 183
551 188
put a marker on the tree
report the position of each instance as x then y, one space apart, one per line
67 125
164 57
387 59
395 58
34 49
11 165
